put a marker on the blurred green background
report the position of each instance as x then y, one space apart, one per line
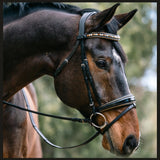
138 39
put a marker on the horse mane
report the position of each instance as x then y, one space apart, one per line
17 10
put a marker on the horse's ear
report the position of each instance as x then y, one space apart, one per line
101 18
124 18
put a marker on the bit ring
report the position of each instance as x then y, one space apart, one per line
95 125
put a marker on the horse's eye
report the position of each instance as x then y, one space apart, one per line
101 64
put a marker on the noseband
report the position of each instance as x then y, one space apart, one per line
124 101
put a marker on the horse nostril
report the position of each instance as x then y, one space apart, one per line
130 144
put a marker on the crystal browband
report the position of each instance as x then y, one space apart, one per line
104 35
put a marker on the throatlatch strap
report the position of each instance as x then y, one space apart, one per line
81 32
59 69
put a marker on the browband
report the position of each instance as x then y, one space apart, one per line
103 35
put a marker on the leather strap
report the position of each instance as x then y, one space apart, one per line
117 118
82 22
59 69
48 115
85 67
119 102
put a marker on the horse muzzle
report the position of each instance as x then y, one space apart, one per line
130 144
128 147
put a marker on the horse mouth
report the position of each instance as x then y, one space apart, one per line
130 145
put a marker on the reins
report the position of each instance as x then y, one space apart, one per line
44 138
124 101
70 119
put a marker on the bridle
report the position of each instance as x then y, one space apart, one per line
124 101
120 102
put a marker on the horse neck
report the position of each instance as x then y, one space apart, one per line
35 45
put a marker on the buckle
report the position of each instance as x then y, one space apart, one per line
83 36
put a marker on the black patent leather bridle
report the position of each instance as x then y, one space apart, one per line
124 101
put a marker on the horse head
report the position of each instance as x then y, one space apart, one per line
106 61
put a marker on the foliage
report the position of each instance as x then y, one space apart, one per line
138 39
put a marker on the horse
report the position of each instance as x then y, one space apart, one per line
80 49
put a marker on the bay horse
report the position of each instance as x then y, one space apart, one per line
37 38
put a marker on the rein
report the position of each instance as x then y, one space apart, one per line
86 120
124 101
